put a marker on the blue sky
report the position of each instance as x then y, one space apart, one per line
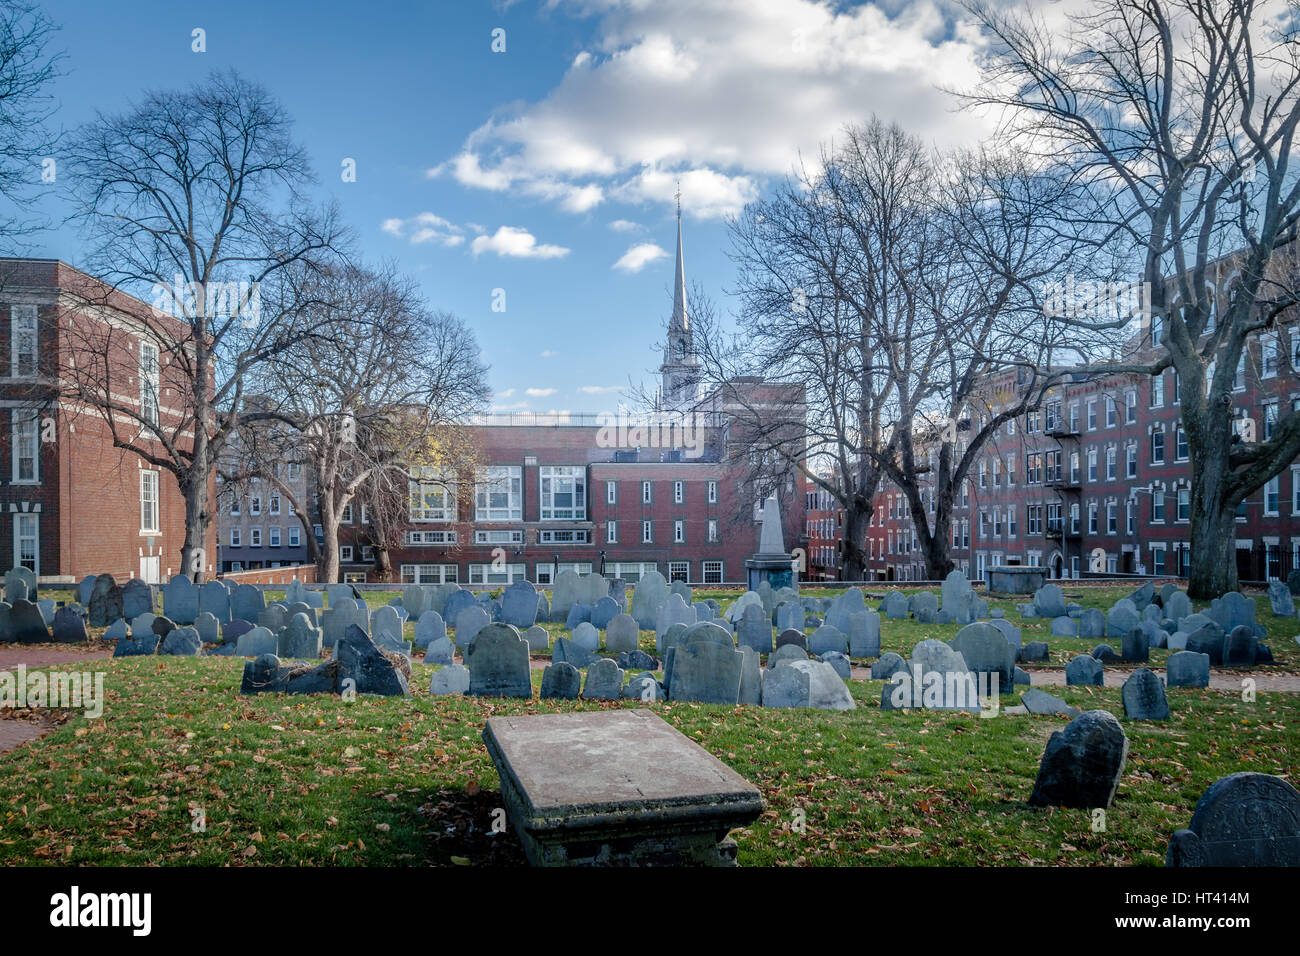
547 170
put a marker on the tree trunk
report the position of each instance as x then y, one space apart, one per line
938 551
853 566
1213 568
194 556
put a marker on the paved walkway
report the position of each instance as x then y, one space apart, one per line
16 732
47 655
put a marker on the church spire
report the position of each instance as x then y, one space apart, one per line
680 321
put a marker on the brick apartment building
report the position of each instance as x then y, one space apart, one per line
1100 468
592 493
71 504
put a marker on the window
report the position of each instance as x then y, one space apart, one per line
1130 406
1130 517
1181 450
645 493
1011 522
429 574
255 506
149 382
611 492
1034 519
1270 419
564 536
234 503
1267 356
491 574
235 539
148 502
1092 415
1184 504
22 340
1272 496
983 475
611 533
346 518
26 446
712 572
679 571
712 525
254 537
345 553
273 536
294 470
432 498
679 532
1131 461
1157 448
678 492
1239 376
1110 411
500 536
647 531
1110 464
1158 561
997 472
27 541
1158 506
564 493
713 492
1158 390
274 503
1011 477
431 537
295 539
1034 469
1092 518
498 494
1112 519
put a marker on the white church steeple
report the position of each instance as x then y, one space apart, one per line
680 371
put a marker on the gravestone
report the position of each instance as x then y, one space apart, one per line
338 592
842 607
256 642
645 688
789 617
864 634
1177 607
105 605
1144 696
1049 601
538 638
839 661
448 680
751 677
1040 702
1240 647
299 639
1009 631
440 650
1136 647
1084 671
469 623
27 624
566 650
1106 654
827 638
144 622
208 627
85 587
229 632
1208 639
925 607
705 672
20 585
985 650
561 681
637 660
365 668
137 597
336 621
887 665
586 636
785 686
1293 581
826 691
1143 596
248 602
498 663
181 642
386 629
1243 819
797 638
1092 624
622 633
1082 764
604 681
755 630
1063 626
180 599
459 600
565 592
295 591
649 596
1231 610
894 605
786 652
69 625
958 598
604 611
673 611
215 599
134 646
1035 652
274 616
1123 617
579 614
1188 669
429 628
415 600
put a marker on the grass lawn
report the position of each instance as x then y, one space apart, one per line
317 780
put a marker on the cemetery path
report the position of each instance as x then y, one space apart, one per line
13 733
46 655
1280 683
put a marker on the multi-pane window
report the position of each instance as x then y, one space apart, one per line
235 538
27 541
679 492
1270 419
498 494
1181 450
493 574
679 531
1184 504
1112 519
429 574
26 445
712 526
564 493
432 499
1092 415
1110 411
611 532
273 536
1130 406
149 383
274 503
149 501
255 505
611 492
712 572
1157 390
1157 448
22 340
645 492
713 492
1131 461
1158 506
1092 518
294 536
254 537
1267 356
1272 496
647 531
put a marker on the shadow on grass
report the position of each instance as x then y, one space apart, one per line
447 827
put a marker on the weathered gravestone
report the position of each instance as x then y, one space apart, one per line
622 633
673 611
27 624
751 677
925 607
429 628
208 627
1144 696
864 634
798 638
1049 601
256 642
1188 669
1084 671
1240 647
364 668
69 625
440 651
705 672
181 642
458 600
20 585
1064 627
827 638
299 639
180 599
586 636
604 611
1136 647
469 623
1243 819
498 663
985 651
215 599
1092 624
565 650
137 598
1082 764
135 645
604 681
888 664
1121 619
958 598
894 606
561 681
538 638
451 679
616 788
386 630
248 602
105 605
755 630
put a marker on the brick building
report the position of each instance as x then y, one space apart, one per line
72 504
612 494
1101 470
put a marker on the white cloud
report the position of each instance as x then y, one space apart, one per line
506 394
598 389
549 353
625 225
515 406
517 243
639 256
723 94
424 227
539 392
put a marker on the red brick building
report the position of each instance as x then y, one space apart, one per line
1102 469
70 503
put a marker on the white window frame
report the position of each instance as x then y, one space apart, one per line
21 519
572 476
611 532
497 480
235 538
149 501
647 532
295 536
713 492
711 572
29 324
25 426
679 532
430 498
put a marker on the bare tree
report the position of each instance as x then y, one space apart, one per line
373 411
1180 117
26 70
193 201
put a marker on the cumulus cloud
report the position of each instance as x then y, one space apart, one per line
625 225
598 389
516 243
549 353
639 256
539 392
721 94
424 227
